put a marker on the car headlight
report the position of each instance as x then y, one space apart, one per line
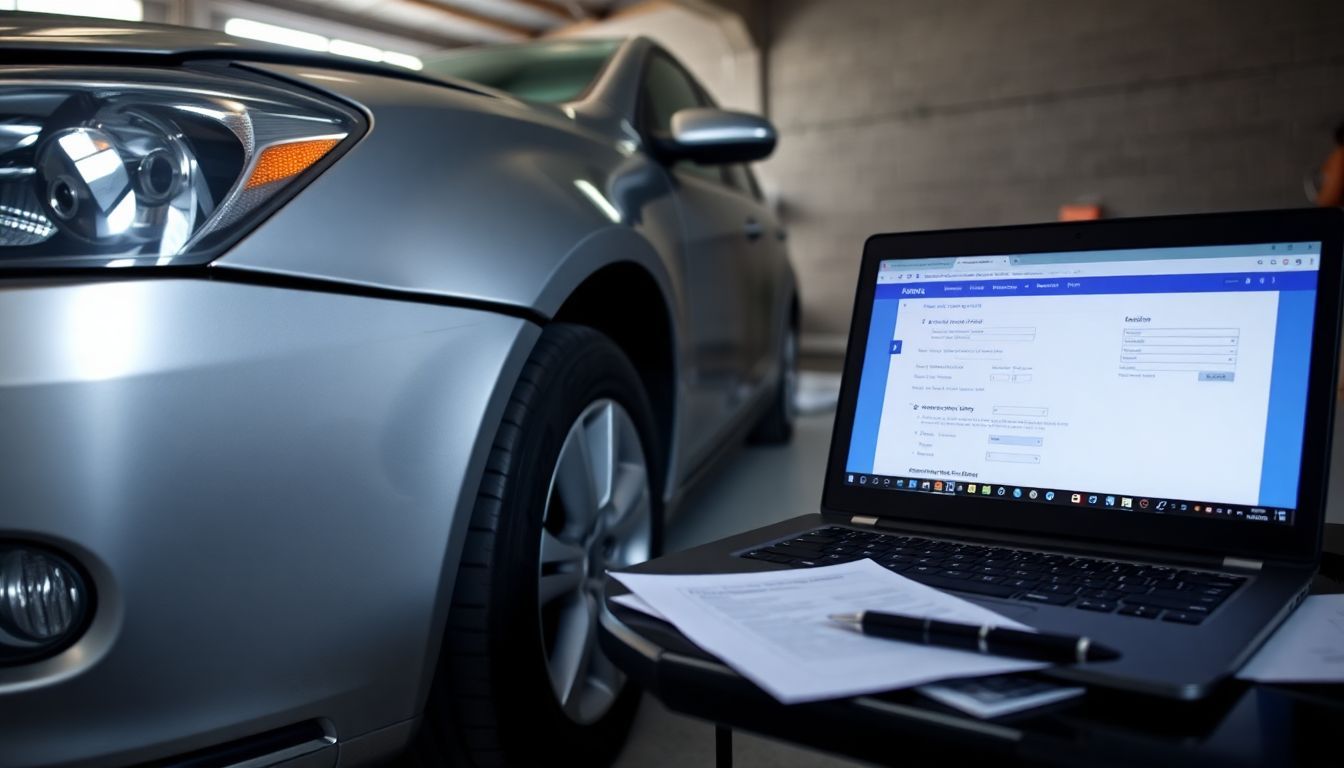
150 167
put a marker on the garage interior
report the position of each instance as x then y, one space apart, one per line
911 115
895 116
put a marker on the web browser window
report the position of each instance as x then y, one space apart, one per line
1167 381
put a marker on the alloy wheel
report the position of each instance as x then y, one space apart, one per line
598 515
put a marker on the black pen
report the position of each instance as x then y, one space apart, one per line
999 641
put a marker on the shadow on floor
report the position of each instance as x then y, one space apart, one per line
758 486
662 739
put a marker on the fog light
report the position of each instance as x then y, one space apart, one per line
42 600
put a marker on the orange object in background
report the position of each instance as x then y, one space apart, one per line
1331 193
1079 212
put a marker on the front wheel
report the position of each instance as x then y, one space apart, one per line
598 515
571 490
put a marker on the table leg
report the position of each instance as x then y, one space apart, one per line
723 746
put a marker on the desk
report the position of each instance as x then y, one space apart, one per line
1243 725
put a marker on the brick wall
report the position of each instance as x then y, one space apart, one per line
916 114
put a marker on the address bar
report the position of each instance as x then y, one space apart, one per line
1103 269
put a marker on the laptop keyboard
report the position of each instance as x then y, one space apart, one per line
1089 584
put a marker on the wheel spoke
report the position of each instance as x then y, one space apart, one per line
606 678
576 483
600 432
555 550
574 641
629 516
557 585
630 489
572 698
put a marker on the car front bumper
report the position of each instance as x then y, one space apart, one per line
269 489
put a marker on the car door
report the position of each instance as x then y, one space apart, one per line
715 260
765 260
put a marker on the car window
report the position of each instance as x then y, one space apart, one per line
666 90
550 72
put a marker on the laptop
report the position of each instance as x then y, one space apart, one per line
1117 429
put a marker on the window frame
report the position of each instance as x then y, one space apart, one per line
720 173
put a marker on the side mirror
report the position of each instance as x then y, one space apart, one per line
713 136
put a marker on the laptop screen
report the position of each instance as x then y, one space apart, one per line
1163 381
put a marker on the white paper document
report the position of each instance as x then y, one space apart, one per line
1308 648
772 628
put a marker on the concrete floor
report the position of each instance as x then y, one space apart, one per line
756 487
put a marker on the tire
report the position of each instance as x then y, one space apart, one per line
516 621
776 427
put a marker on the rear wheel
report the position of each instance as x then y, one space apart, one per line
571 489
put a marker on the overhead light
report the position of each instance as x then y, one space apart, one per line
403 60
125 10
355 50
272 33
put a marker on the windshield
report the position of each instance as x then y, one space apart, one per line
550 72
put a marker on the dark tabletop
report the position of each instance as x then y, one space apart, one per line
1242 724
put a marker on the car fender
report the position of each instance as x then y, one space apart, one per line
497 204
455 195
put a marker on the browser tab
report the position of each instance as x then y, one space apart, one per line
981 262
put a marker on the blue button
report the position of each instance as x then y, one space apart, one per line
896 347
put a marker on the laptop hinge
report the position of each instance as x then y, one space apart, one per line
863 520
1243 563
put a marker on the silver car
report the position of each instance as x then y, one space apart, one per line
329 392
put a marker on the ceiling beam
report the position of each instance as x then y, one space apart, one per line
372 23
475 18
563 11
